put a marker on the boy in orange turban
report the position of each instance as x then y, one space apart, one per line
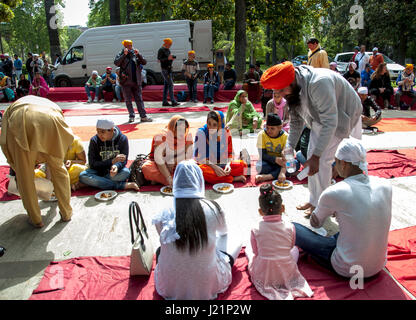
190 69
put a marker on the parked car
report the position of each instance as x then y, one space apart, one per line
342 60
298 60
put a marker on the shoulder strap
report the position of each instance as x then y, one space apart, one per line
309 62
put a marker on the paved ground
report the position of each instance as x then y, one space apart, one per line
101 229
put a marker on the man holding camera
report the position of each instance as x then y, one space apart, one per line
129 61
166 59
108 83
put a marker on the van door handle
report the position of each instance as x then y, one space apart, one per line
84 66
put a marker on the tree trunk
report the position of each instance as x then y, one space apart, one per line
115 18
240 38
274 50
51 23
402 48
268 44
129 11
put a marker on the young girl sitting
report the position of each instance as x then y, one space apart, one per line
273 268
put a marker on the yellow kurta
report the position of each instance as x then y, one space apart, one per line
75 169
34 131
318 59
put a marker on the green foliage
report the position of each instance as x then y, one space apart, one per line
6 9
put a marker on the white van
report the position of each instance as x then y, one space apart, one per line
96 48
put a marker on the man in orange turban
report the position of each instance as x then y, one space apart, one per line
166 58
327 104
405 82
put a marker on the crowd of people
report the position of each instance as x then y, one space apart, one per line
312 109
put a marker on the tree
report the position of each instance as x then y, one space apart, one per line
54 45
6 9
240 38
115 18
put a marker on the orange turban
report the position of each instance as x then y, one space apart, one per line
409 66
279 76
167 40
210 65
127 42
191 52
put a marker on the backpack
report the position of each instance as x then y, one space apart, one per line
182 95
136 174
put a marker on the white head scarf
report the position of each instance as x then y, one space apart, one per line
351 150
363 90
353 64
188 181
106 124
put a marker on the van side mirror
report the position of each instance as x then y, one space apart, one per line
84 66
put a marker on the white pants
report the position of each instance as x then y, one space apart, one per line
322 180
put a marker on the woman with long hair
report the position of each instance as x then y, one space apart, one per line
192 262
380 85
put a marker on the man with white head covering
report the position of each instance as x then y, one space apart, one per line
368 104
107 158
362 206
352 76
376 59
93 84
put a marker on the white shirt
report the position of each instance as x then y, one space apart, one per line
362 206
361 59
201 276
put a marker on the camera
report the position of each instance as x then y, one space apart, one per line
131 51
174 57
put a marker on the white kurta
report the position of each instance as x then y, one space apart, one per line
362 206
201 276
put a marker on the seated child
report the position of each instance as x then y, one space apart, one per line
214 152
75 162
107 157
270 142
273 266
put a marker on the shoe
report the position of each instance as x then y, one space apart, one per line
212 101
205 100
89 100
114 100
367 131
102 100
131 119
195 101
147 119
95 100
175 103
166 104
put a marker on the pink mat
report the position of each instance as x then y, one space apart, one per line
108 278
150 93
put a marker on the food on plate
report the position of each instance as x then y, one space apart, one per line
281 184
224 188
167 190
105 195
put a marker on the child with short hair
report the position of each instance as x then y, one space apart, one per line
190 69
273 265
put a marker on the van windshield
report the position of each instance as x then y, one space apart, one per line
74 55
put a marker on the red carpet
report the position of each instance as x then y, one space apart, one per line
150 93
401 255
114 111
108 278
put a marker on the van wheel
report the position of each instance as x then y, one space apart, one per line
151 80
63 82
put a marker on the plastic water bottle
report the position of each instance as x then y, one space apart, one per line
290 160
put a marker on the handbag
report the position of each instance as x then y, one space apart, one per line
142 252
136 173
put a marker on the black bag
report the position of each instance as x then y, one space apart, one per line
136 174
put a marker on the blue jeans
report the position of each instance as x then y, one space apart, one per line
300 157
167 86
118 182
192 88
209 91
117 89
264 167
95 90
319 247
229 84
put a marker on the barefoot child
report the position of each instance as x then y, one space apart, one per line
273 268
270 142
213 150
